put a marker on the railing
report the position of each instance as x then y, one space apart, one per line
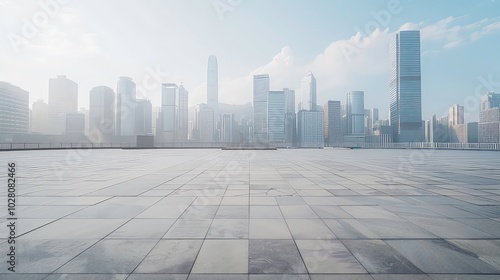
207 145
422 145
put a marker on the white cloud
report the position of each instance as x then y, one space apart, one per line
451 34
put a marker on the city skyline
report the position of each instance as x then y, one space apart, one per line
466 30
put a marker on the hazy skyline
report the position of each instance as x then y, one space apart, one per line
94 43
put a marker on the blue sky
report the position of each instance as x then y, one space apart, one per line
94 42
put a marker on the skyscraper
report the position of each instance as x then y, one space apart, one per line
101 113
308 88
310 129
405 87
260 93
490 100
204 123
276 116
227 127
310 122
39 117
143 117
355 110
183 114
170 111
213 87
333 122
456 115
125 107
489 118
290 116
14 109
63 99
373 119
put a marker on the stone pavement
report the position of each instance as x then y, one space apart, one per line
286 214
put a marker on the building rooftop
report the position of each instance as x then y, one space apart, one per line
286 214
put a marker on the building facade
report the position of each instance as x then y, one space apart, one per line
308 90
260 94
39 119
183 114
310 129
355 111
63 99
332 123
170 112
277 117
290 117
405 87
125 107
14 109
143 117
101 113
213 87
204 123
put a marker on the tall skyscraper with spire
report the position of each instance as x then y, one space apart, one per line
405 87
213 87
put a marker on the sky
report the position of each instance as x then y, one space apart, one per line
344 43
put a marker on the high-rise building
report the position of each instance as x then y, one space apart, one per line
490 100
125 107
276 116
489 118
260 94
456 115
332 123
170 111
143 117
183 114
371 120
101 113
155 124
290 117
441 130
39 117
204 123
63 99
227 127
405 87
213 87
308 88
310 129
355 111
14 109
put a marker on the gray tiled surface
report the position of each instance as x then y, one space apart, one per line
263 215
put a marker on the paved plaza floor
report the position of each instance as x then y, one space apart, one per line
286 214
